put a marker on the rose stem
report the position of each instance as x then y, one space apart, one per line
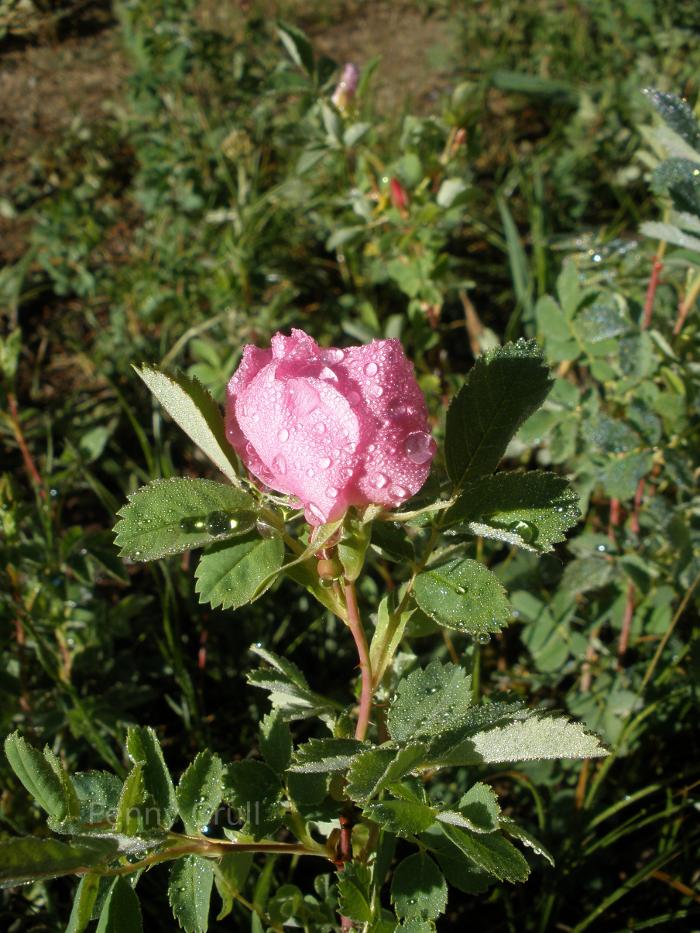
358 633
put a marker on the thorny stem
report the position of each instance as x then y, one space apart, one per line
358 633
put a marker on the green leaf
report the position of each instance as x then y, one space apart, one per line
352 548
25 859
276 741
230 575
460 872
144 748
418 888
41 778
298 46
536 508
450 190
535 738
677 115
189 892
373 770
388 632
323 755
429 701
230 875
620 476
513 829
402 817
503 388
121 910
354 893
173 515
254 790
463 595
587 573
671 234
290 700
569 288
517 260
478 810
83 903
521 82
130 816
678 178
10 348
491 853
72 804
98 795
191 407
199 792
552 323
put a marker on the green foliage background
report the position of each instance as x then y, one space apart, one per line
225 199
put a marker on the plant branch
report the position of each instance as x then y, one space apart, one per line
358 633
29 464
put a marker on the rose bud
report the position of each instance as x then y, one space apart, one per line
399 195
344 93
331 428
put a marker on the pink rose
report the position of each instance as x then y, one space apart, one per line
331 427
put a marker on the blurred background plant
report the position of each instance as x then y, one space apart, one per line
177 181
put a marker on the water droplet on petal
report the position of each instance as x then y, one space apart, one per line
333 355
399 492
376 391
279 464
379 481
332 492
320 427
283 435
318 513
371 369
324 462
418 447
311 472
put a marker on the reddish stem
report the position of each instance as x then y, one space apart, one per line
615 515
638 496
626 621
344 855
29 464
651 292
358 633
